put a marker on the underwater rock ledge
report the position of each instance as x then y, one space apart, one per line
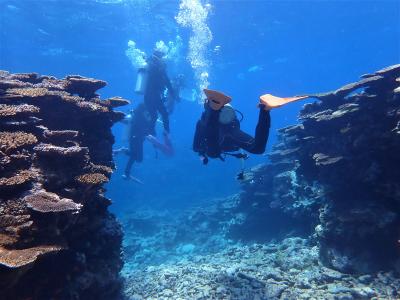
57 238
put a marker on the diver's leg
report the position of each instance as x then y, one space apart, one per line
128 167
257 144
240 139
135 154
262 131
211 117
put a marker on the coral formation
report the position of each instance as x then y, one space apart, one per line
19 178
92 178
13 140
48 226
116 101
84 87
19 258
60 152
333 175
43 201
13 110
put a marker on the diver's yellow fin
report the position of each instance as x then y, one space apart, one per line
271 101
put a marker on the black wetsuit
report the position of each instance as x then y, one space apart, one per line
213 138
157 82
141 124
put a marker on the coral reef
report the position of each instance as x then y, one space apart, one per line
57 238
334 171
320 220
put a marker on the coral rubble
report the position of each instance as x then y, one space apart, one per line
57 238
285 270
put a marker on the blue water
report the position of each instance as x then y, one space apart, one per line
280 47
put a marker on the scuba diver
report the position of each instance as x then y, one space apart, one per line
141 127
157 82
142 121
218 131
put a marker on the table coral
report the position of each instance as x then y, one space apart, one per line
15 258
92 178
17 179
13 110
44 202
14 140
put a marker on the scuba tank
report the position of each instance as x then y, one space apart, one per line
127 127
227 114
141 80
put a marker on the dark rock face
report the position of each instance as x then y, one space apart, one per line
57 238
337 173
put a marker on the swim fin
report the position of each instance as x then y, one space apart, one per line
271 102
216 99
165 148
134 179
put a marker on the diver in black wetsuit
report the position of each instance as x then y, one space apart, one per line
216 134
143 119
141 125
157 82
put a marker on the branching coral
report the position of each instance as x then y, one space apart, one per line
92 178
14 140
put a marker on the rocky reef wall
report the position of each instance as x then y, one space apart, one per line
57 238
336 176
